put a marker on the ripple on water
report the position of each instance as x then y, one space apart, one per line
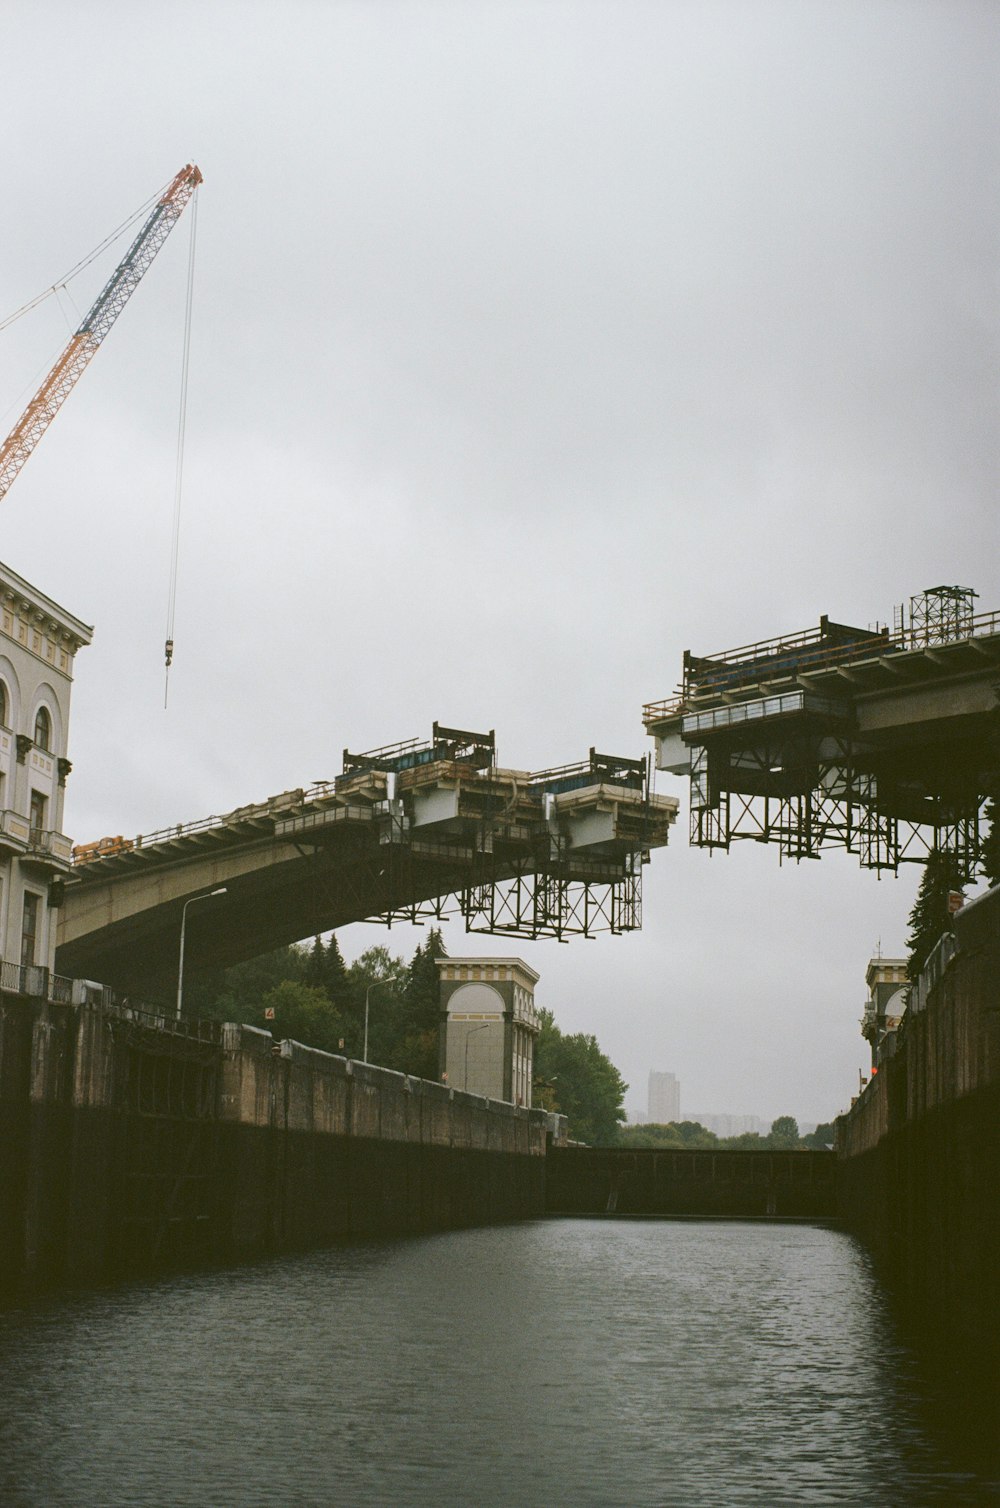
553 1362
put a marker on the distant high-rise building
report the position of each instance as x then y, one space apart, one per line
664 1099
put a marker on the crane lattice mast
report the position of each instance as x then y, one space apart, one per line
83 344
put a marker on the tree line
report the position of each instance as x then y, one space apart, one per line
931 916
782 1137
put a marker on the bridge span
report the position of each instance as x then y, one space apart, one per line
885 742
411 831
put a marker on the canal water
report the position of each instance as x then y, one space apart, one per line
555 1362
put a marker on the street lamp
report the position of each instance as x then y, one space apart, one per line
180 962
373 986
470 1032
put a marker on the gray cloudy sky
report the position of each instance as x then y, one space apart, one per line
533 344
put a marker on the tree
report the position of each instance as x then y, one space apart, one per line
784 1134
315 970
930 917
335 980
820 1138
672 1134
747 1141
586 1085
304 1014
989 848
380 979
416 1051
235 994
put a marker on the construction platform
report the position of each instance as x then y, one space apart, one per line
884 742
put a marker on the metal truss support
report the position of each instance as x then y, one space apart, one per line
815 795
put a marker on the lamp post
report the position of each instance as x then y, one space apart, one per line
470 1032
180 962
373 986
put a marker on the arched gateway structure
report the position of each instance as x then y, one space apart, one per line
410 831
886 743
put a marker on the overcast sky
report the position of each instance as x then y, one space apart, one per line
532 344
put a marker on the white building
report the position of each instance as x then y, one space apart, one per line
488 1026
38 642
888 996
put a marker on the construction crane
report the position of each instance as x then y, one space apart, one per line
83 344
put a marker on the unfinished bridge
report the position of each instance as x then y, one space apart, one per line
882 742
408 832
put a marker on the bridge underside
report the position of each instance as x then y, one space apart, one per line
399 837
287 894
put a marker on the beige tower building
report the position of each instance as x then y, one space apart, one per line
38 641
488 1026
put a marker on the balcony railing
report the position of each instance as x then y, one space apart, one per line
15 831
49 848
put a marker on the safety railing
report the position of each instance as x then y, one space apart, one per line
34 980
39 983
806 650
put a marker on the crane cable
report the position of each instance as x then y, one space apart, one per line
79 267
179 474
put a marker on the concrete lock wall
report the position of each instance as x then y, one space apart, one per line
693 1182
919 1151
127 1147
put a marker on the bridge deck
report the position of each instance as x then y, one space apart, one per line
513 852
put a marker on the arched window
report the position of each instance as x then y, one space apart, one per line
4 705
43 729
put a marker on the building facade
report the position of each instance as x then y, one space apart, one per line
38 643
488 1026
664 1100
888 995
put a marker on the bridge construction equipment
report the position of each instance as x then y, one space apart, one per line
84 342
408 832
882 743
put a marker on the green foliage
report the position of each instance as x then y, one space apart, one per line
320 1002
585 1084
989 848
930 918
784 1134
305 1014
673 1134
235 994
820 1138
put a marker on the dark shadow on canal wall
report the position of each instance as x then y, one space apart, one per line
130 1145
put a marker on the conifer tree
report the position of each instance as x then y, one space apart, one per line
989 848
422 985
930 917
335 980
315 969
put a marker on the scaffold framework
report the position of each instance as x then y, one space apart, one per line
552 854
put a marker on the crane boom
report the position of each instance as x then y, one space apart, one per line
83 344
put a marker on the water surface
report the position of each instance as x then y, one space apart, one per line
554 1362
